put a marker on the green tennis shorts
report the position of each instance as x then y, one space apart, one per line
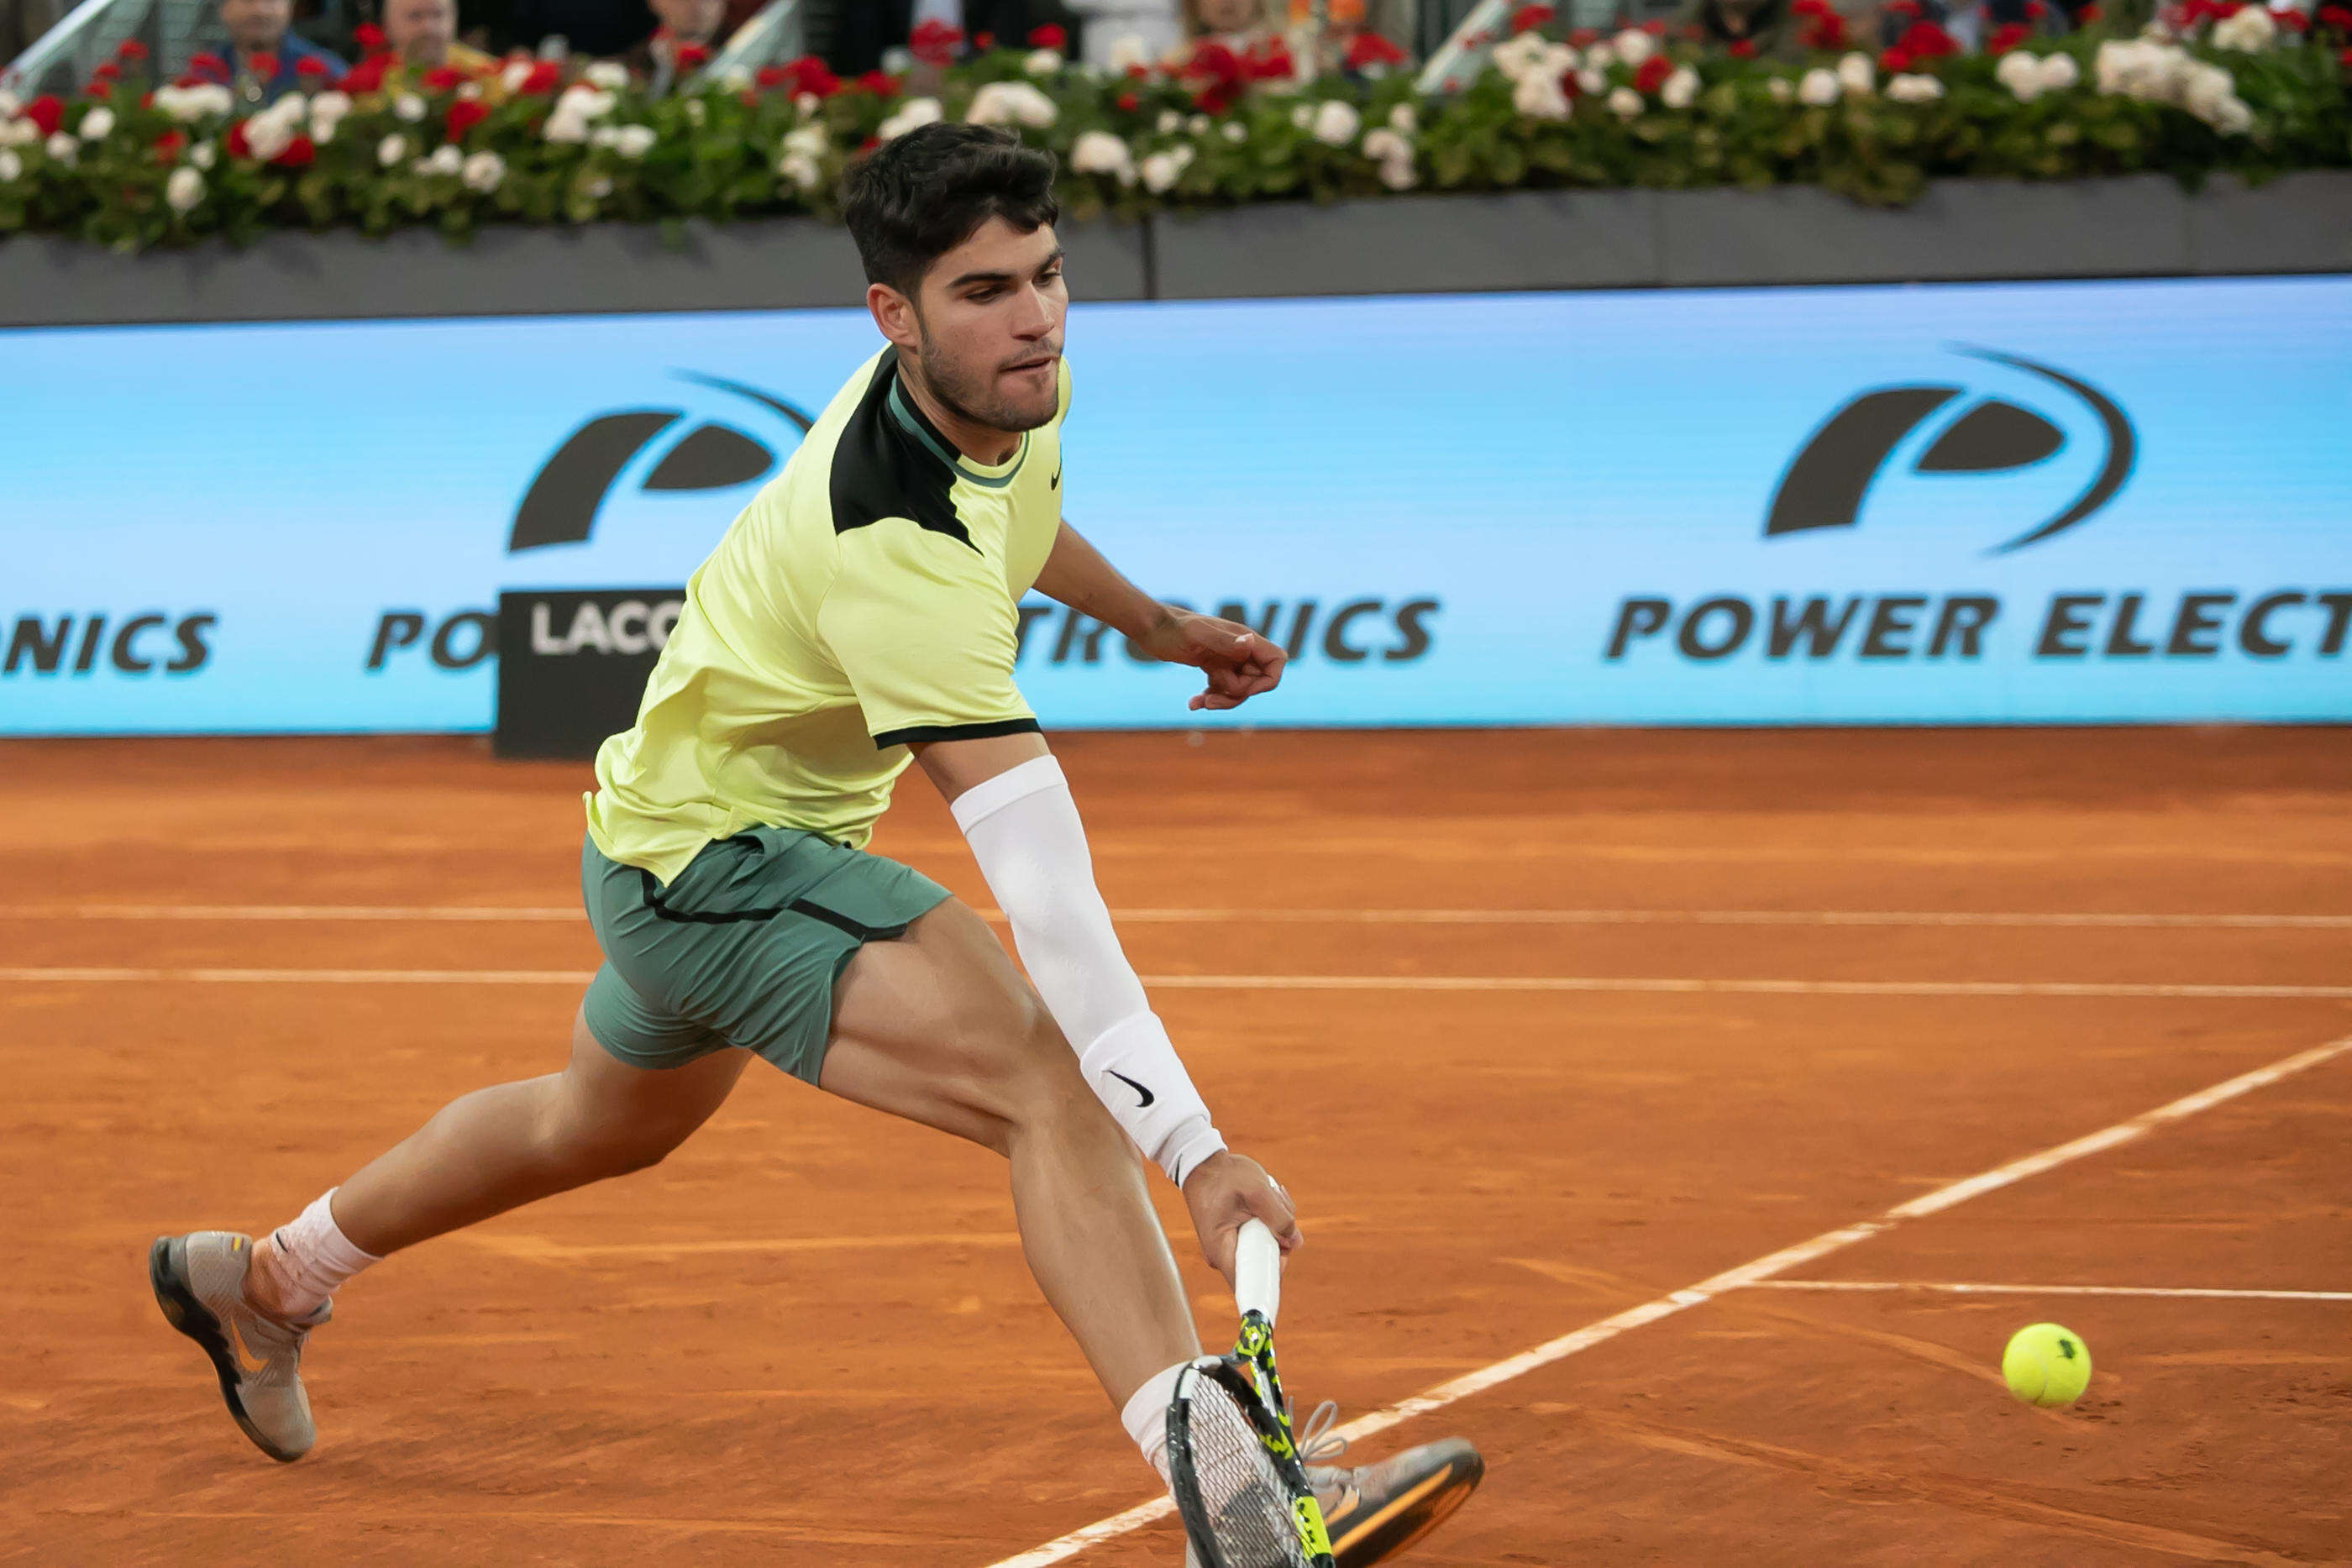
744 949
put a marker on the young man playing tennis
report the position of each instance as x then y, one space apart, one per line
860 612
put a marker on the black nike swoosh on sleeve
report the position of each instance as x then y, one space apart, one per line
1131 1083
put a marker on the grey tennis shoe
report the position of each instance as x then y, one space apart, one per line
199 1280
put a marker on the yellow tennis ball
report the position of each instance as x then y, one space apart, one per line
2045 1364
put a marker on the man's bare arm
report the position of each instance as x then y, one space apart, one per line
1238 662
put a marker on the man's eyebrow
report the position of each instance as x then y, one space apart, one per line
971 277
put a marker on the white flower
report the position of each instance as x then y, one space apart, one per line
2250 29
96 124
1043 62
1517 57
517 73
1336 123
808 141
1129 52
738 79
2211 93
187 103
1624 103
634 140
1592 79
184 190
9 103
409 107
1540 97
697 111
10 164
1403 120
1820 87
2020 73
610 75
802 170
807 104
17 132
598 186
1011 103
574 107
266 135
1159 170
2059 72
1914 89
331 105
1600 56
1780 90
1399 175
1198 125
913 114
445 160
1633 45
1100 153
1168 122
466 89
484 171
1679 90
1383 143
1302 115
1235 132
202 154
1855 74
391 151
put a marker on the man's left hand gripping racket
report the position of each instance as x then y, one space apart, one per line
1239 1486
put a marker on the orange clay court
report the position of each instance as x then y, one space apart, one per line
1556 1025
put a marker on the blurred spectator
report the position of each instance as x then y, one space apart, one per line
1156 26
1240 25
22 21
1744 28
266 58
424 33
690 34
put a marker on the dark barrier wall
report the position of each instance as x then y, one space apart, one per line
2143 226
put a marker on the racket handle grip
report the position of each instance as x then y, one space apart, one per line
1257 1270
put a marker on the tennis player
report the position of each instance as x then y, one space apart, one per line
859 614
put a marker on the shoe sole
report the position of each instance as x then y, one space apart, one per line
1404 1521
167 1272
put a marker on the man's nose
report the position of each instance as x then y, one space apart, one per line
1036 318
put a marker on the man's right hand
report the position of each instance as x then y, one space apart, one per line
1227 1190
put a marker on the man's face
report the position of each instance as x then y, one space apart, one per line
989 318
1232 15
420 29
693 20
257 24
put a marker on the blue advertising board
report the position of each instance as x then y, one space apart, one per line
1979 503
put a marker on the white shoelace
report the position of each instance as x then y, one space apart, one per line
1319 1445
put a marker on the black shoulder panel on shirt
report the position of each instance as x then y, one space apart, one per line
880 469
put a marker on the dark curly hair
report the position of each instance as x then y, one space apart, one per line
915 199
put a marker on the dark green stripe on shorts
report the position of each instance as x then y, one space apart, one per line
742 948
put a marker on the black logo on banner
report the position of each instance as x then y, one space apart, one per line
713 454
1827 480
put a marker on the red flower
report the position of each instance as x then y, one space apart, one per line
2089 14
1907 9
934 42
544 76
1128 101
2293 21
168 145
1655 28
2345 60
368 36
690 56
1527 18
464 115
1651 74
1368 48
2007 37
1895 61
131 49
1927 41
441 78
1691 32
1269 60
311 67
237 142
808 74
1048 36
772 77
107 70
206 67
1742 48
983 41
299 152
1585 37
46 111
261 67
1138 73
97 90
2336 16
881 84
365 76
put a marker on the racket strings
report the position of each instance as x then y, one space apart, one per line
1242 1492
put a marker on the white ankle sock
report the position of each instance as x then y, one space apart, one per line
1145 1417
318 1256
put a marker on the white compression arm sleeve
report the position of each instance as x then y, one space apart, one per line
1023 830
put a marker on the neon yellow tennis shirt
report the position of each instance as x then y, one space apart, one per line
866 598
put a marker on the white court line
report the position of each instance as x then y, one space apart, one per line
568 913
1747 1274
2055 1289
1566 983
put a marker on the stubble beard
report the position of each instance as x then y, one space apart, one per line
970 396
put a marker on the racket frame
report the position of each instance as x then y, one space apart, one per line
1252 1352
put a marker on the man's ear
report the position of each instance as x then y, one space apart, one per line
894 317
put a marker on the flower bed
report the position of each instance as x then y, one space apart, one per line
2217 87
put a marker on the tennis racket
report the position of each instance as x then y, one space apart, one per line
1239 1486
